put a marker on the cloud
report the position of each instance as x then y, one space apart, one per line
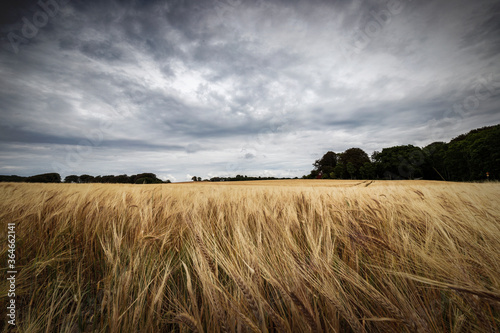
227 86
249 156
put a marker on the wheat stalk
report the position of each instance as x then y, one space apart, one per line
219 312
276 318
305 312
252 303
187 320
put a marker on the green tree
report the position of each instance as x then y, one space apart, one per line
313 175
367 171
122 179
86 179
357 157
134 178
12 178
339 171
72 179
400 162
144 180
351 169
458 160
326 164
434 167
469 156
45 178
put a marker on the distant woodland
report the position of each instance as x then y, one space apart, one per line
474 156
142 178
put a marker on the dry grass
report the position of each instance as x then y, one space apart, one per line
287 256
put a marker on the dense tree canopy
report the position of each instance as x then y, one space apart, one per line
43 178
242 178
142 178
354 159
434 167
326 164
349 164
468 157
400 162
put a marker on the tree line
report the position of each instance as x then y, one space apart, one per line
142 178
236 178
43 178
469 157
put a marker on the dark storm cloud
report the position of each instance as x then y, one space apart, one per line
226 86
9 135
485 37
14 135
101 50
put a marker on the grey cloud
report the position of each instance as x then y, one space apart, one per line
68 43
193 148
17 135
263 85
101 50
487 28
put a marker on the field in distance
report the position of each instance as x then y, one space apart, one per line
262 256
318 183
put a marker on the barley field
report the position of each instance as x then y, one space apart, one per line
268 256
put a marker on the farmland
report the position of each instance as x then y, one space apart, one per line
286 256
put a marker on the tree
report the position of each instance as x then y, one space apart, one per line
12 178
194 178
313 175
326 164
485 152
351 169
435 167
458 160
86 179
145 180
367 171
357 157
108 179
72 179
400 162
45 178
339 171
469 156
122 179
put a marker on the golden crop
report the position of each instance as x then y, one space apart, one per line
290 256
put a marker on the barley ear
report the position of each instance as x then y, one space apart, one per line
305 312
188 320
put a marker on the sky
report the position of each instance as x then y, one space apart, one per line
226 87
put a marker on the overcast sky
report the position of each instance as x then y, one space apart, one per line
226 87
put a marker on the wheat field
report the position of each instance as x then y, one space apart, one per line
285 256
